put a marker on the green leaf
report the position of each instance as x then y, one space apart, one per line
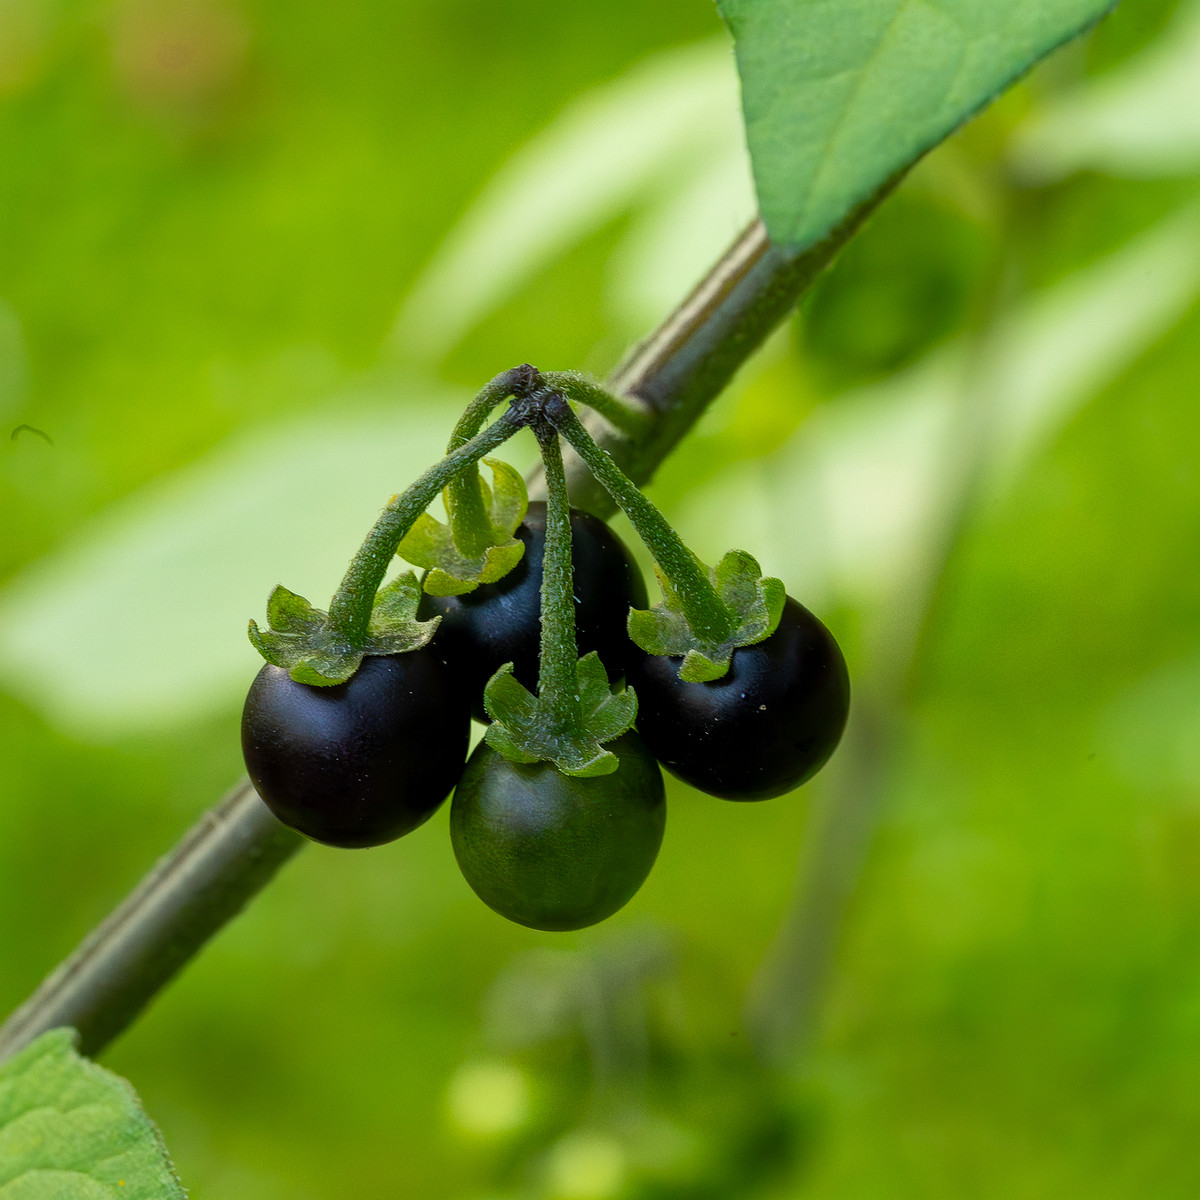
526 729
839 97
756 601
71 1129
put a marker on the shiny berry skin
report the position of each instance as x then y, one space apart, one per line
555 852
363 762
501 622
768 726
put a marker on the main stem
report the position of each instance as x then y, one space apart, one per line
223 861
707 614
690 358
559 649
350 609
116 971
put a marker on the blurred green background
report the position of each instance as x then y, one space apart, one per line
253 257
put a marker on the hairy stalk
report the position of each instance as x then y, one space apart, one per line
559 650
673 375
464 494
631 421
707 614
350 609
687 362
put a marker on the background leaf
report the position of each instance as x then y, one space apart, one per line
1140 120
840 96
92 631
70 1128
663 140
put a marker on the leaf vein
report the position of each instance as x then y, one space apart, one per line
835 133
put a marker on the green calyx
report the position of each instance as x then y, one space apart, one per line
755 603
312 649
477 546
528 729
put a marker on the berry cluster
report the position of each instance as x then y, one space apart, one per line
529 616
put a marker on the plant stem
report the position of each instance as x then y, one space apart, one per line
707 614
475 415
674 374
464 494
221 863
468 514
559 650
687 362
350 609
632 422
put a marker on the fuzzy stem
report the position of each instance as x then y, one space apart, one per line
559 650
707 614
464 493
350 609
619 413
475 415
468 514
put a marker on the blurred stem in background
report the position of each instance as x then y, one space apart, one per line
236 849
785 1000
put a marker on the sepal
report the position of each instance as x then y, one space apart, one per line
524 728
755 601
454 570
299 638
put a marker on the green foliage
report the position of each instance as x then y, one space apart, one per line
69 1127
838 99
